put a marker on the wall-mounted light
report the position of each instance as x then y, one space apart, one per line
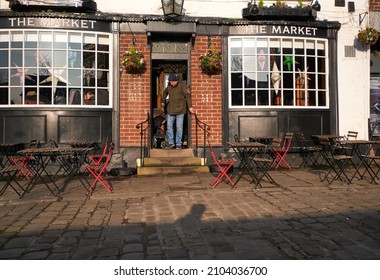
316 6
172 8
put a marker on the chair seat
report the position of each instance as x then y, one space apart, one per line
226 161
260 159
312 149
341 157
372 157
10 168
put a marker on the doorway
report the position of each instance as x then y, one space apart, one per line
161 69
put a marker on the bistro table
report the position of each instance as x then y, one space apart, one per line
245 151
46 156
262 139
329 136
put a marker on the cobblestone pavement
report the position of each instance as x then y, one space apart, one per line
180 217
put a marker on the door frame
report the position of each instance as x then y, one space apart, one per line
159 74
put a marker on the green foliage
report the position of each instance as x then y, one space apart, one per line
368 36
133 60
261 4
300 4
211 61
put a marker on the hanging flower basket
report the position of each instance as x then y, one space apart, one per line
368 36
211 61
134 61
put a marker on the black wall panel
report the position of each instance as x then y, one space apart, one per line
20 126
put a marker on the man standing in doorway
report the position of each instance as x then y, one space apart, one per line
177 99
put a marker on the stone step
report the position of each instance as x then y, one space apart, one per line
172 161
155 170
162 153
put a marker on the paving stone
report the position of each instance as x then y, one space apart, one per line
72 233
107 252
88 241
40 255
133 256
84 252
11 253
55 256
92 234
175 253
133 248
61 249
359 252
154 250
132 238
40 247
19 242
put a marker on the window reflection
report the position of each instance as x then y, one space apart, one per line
54 68
281 71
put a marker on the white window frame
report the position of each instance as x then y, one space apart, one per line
295 72
81 69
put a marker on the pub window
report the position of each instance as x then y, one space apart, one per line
278 72
54 68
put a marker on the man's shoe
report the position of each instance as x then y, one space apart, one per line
172 146
178 147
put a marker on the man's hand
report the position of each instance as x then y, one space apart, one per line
192 110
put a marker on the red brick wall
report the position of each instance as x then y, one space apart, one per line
206 91
374 5
134 93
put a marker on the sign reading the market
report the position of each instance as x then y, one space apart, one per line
281 30
61 23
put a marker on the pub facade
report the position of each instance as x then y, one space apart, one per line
62 76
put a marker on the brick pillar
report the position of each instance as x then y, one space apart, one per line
206 91
134 93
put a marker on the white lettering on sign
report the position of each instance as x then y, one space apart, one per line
52 22
291 30
294 30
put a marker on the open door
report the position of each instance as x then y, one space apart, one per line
160 73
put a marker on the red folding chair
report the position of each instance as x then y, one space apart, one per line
224 166
279 153
96 158
99 170
22 162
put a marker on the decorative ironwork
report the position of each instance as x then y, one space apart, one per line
170 47
144 128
